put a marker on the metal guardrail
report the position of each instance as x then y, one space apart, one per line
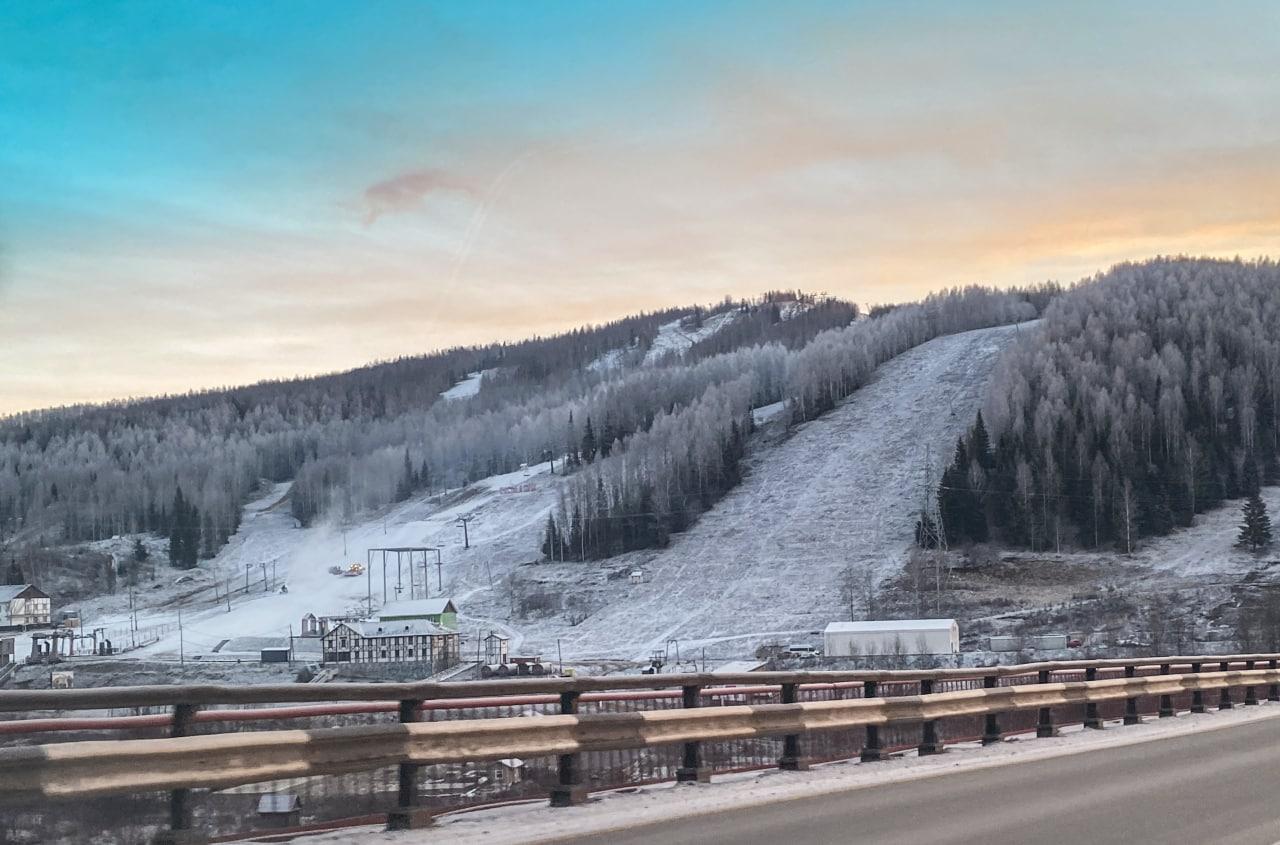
183 762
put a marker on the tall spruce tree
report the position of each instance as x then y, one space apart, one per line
1255 531
588 442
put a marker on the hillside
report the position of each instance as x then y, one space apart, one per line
839 492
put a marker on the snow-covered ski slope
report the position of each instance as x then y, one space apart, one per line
506 515
843 490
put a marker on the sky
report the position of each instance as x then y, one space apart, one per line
200 194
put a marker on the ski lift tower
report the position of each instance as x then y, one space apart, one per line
404 558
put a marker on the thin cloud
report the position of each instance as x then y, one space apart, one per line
406 191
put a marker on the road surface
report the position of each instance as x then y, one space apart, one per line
1219 787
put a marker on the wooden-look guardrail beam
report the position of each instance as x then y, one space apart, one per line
207 695
71 770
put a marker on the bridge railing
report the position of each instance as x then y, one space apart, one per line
407 751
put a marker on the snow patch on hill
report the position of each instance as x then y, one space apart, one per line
466 388
674 338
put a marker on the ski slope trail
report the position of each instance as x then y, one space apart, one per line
506 514
842 491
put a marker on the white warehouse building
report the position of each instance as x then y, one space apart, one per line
891 636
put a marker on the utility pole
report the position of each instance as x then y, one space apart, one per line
228 595
466 538
264 576
247 567
439 573
182 646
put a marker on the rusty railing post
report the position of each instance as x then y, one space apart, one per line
1197 696
1131 716
792 760
1273 690
181 824
1166 701
408 815
1044 727
1224 700
1250 695
691 769
991 732
929 742
872 750
1091 718
569 788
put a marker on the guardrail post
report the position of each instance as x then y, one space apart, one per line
872 751
1091 719
407 815
991 733
691 769
1166 701
929 743
791 760
1131 716
1044 727
1197 696
1224 700
1250 695
569 789
1273 690
181 825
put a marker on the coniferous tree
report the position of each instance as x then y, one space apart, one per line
404 488
551 542
178 531
14 573
588 442
980 444
140 553
1255 531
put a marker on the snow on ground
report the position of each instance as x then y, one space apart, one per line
611 360
466 388
535 822
1207 548
507 514
842 490
673 338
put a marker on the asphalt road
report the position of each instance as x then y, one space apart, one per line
1219 786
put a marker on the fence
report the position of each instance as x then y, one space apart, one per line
403 752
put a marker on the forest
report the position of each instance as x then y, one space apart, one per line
1148 394
651 446
350 441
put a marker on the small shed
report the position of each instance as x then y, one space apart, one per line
891 636
311 626
280 809
275 654
636 576
496 649
509 771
